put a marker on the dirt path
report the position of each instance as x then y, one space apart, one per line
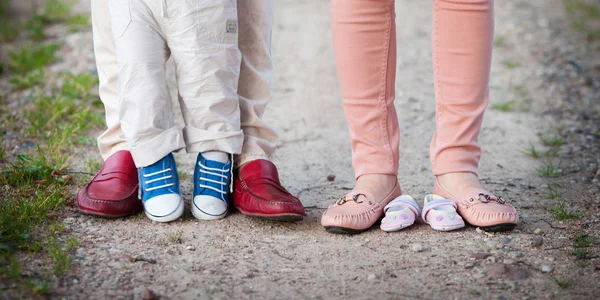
240 257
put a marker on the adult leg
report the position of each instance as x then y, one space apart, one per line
258 191
113 191
462 51
364 39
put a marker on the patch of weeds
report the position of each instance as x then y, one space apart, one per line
176 237
49 113
563 284
511 64
40 286
499 41
93 166
9 31
531 151
78 22
58 254
2 152
554 191
183 175
58 10
29 80
522 98
585 17
553 140
549 169
561 213
80 86
503 106
35 28
31 58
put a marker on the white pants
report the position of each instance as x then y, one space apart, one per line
200 134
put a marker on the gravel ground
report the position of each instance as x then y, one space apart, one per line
555 88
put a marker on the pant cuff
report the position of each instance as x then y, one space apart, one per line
455 160
147 153
200 140
370 168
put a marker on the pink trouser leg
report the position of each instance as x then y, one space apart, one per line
462 50
364 40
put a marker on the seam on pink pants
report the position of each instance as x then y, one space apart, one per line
384 88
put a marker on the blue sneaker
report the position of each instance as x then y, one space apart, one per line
159 190
212 184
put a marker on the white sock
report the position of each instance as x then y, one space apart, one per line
219 156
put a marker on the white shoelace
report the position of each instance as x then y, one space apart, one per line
158 179
205 169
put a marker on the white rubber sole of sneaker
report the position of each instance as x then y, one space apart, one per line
176 214
203 214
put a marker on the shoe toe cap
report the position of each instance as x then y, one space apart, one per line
163 205
210 205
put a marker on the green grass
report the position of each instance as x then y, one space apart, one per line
35 181
28 80
30 58
552 140
532 151
176 237
549 169
36 28
511 64
499 41
78 22
93 166
9 31
505 106
563 284
58 10
585 17
561 213
78 86
554 191
581 243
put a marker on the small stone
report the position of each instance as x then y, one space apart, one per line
75 281
491 260
537 241
417 247
537 231
469 265
547 268
508 261
190 248
515 254
371 277
330 177
149 295
505 240
491 244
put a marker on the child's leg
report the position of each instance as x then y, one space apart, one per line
202 36
146 115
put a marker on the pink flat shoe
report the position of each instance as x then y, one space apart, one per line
478 208
356 212
399 214
441 213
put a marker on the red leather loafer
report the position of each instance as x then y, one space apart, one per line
259 193
113 191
